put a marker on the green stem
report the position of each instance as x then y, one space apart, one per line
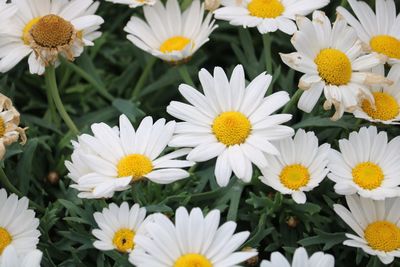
143 78
267 50
183 71
51 83
11 188
293 101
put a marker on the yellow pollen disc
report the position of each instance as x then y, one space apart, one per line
5 239
387 45
368 175
386 107
52 31
2 127
27 29
383 236
193 260
294 176
266 9
123 240
334 67
135 165
176 43
231 128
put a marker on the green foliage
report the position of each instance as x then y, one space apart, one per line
108 80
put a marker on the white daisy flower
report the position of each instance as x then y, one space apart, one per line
194 240
368 165
168 34
376 223
112 159
267 15
300 259
230 122
47 29
134 3
293 171
386 106
379 32
332 61
118 227
18 225
10 258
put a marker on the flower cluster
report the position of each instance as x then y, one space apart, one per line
236 124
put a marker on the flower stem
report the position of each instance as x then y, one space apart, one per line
143 78
293 101
267 49
11 188
51 84
183 71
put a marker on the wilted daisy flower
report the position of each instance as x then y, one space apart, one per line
386 107
267 15
47 29
134 3
10 132
18 225
332 61
368 165
294 171
118 227
379 33
11 258
230 122
194 240
376 223
112 159
168 34
300 258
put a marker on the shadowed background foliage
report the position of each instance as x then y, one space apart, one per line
114 77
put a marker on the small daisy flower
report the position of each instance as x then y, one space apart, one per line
168 34
386 106
332 61
379 32
293 171
231 122
267 15
376 223
47 29
134 3
112 159
368 165
300 259
10 258
10 132
194 240
18 225
118 227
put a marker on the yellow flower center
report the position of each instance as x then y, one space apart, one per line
334 66
176 43
387 45
123 240
49 31
266 9
383 236
231 128
5 239
193 260
294 176
386 107
135 165
2 127
368 175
